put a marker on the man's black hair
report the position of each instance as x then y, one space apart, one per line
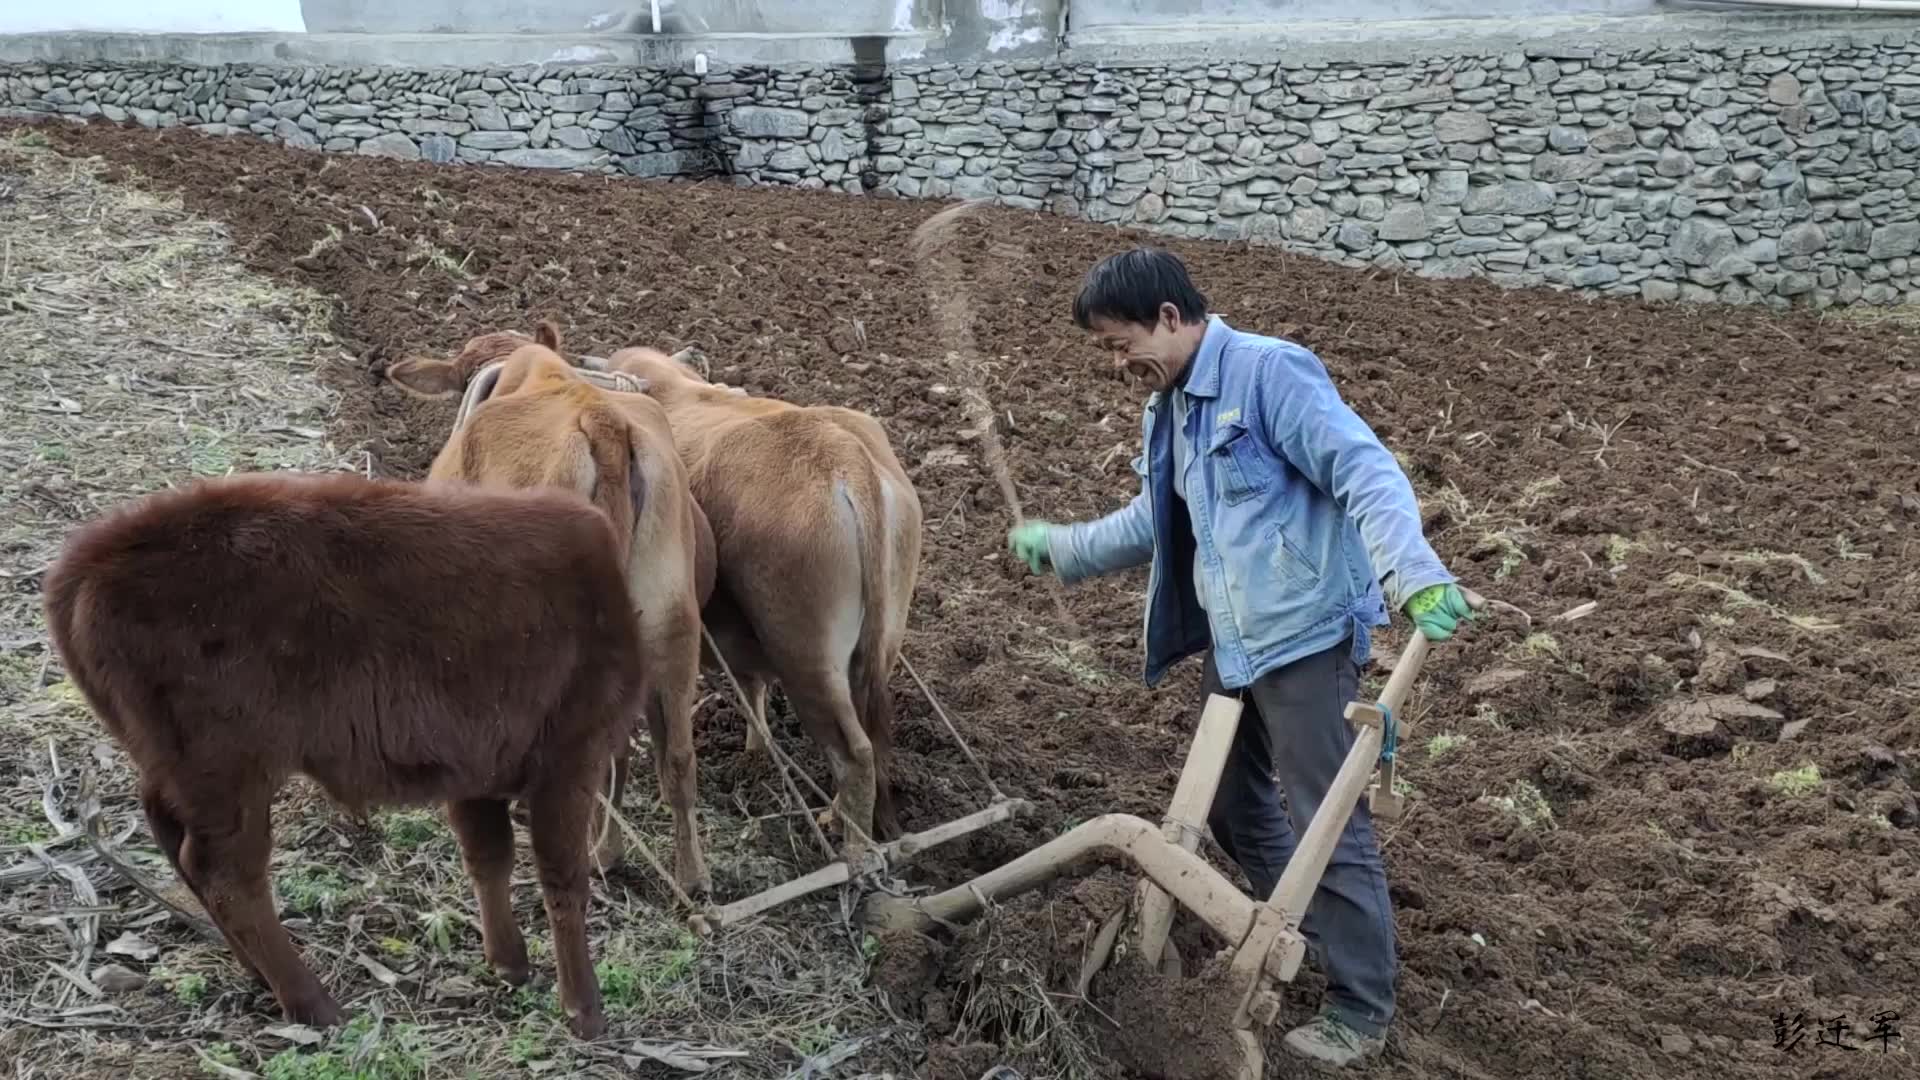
1131 286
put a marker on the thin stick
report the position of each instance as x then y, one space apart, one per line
634 837
997 463
949 305
951 729
200 925
1698 464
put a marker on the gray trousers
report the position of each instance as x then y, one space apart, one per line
1291 727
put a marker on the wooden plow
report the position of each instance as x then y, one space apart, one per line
1263 936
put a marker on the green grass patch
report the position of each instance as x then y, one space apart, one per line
410 830
1525 802
361 1050
315 890
1794 783
639 976
189 988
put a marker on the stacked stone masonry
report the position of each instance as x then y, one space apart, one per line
1776 175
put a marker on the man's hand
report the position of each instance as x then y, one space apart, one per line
1028 542
1437 611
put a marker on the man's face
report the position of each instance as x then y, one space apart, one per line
1154 356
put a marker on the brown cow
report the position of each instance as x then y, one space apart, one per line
397 643
817 531
535 421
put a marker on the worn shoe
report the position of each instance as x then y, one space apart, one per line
1328 1039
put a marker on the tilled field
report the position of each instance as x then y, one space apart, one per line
1638 834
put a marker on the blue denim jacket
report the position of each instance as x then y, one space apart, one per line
1293 503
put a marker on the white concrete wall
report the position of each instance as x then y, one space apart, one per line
152 16
1006 22
1091 14
611 16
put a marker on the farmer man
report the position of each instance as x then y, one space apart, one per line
1279 530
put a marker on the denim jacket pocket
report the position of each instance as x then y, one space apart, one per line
1237 464
1290 565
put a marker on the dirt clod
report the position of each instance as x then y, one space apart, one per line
1167 1029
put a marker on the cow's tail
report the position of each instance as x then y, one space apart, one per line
870 668
607 470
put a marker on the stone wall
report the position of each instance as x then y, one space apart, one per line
1737 173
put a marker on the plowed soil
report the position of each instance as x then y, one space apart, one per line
1646 831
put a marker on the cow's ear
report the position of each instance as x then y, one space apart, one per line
426 377
547 334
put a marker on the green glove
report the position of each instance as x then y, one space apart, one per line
1028 542
1437 610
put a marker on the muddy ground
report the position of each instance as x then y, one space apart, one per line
1636 837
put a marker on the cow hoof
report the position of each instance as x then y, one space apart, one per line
259 980
854 853
588 1026
610 858
693 878
320 1012
509 961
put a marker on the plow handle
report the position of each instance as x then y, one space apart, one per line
1415 655
1382 799
1405 670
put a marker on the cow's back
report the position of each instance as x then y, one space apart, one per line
295 618
525 440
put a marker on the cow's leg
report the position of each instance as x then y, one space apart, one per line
743 658
224 848
604 835
874 693
670 718
171 833
886 816
486 846
560 809
806 616
755 689
825 707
